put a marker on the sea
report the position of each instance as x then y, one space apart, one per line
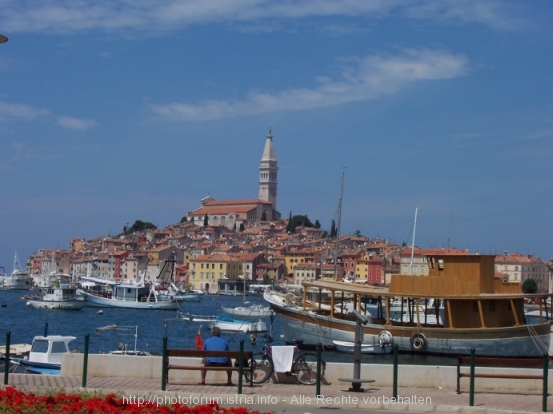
147 328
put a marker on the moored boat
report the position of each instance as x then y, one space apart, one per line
480 312
228 323
131 297
18 279
45 354
253 311
59 297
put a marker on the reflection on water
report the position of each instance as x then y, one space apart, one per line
24 323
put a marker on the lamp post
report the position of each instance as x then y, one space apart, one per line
3 39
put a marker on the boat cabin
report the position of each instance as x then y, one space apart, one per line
49 349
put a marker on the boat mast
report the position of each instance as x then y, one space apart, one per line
413 246
338 227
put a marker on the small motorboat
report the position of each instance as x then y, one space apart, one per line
228 323
45 354
253 311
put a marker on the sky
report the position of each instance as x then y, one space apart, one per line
116 111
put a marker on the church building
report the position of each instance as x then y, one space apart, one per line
233 213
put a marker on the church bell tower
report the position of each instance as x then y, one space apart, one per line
268 173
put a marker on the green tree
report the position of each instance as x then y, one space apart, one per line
357 233
241 227
333 231
289 226
206 220
317 224
298 220
183 220
529 286
140 225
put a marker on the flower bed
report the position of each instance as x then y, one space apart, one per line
13 400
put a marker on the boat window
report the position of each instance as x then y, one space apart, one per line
59 347
40 346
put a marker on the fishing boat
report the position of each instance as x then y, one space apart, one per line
253 311
59 297
228 323
46 353
165 284
208 321
348 347
129 297
18 279
480 311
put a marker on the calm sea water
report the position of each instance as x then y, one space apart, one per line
25 322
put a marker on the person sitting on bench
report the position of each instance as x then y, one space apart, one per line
216 343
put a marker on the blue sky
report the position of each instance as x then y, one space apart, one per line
116 111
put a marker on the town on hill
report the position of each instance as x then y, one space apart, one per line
224 246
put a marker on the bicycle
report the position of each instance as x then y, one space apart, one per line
304 367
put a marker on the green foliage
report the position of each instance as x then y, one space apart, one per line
139 226
299 220
333 230
206 220
317 224
357 233
529 286
241 226
183 220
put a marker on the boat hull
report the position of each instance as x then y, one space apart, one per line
516 341
248 312
58 305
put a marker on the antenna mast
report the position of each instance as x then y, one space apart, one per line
413 246
338 227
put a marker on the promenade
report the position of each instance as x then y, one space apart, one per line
268 394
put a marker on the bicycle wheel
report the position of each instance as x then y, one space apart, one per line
305 369
262 370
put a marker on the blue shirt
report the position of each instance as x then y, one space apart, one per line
216 343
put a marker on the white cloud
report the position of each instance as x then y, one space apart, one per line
19 111
60 16
373 76
76 123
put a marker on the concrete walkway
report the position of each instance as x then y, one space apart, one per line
335 395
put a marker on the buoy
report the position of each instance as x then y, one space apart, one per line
100 312
28 303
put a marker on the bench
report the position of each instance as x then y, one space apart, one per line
464 361
247 365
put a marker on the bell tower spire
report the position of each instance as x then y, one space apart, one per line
268 173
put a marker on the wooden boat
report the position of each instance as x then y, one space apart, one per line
480 311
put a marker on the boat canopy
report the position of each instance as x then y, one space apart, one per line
99 280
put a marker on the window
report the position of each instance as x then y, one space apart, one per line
40 346
59 347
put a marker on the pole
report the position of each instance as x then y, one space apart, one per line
395 372
318 390
85 359
545 380
164 364
7 356
241 366
472 352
